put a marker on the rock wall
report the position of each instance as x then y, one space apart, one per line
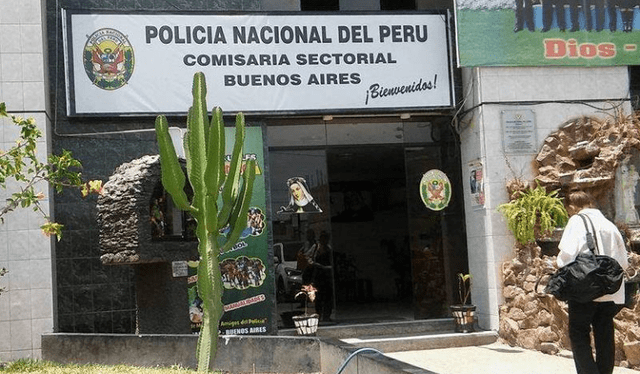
533 320
125 219
583 154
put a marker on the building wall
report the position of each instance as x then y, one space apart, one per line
27 308
92 297
78 296
555 94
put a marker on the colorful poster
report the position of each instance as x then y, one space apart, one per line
547 32
248 296
300 199
476 183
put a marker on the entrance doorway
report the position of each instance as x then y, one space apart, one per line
370 230
391 257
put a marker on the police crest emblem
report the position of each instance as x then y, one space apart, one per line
435 190
108 59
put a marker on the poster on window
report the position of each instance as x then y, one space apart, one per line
248 295
476 183
300 199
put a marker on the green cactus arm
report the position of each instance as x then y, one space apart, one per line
197 123
242 207
211 218
232 183
214 174
221 146
187 151
210 291
203 349
173 178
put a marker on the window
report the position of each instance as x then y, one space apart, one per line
397 5
321 5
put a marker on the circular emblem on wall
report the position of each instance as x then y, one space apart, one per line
108 59
435 189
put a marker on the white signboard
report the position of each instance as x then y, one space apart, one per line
144 63
519 131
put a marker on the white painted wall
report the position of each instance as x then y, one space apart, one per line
26 310
488 91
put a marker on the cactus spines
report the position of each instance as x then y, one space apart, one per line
204 146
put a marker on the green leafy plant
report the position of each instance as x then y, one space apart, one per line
21 164
464 287
219 200
533 212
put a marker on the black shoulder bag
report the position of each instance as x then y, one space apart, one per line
589 276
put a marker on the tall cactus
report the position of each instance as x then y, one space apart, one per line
204 146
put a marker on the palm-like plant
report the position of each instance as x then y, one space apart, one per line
534 212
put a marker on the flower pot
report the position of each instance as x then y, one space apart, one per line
464 317
287 317
306 324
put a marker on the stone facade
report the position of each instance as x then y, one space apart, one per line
533 320
583 154
125 220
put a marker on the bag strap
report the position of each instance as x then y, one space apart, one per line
592 239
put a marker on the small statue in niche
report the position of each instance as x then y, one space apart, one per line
625 193
157 217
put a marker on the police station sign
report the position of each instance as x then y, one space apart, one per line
141 63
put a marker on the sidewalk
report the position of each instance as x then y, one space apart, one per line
496 358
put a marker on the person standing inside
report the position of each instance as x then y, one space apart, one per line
323 279
596 315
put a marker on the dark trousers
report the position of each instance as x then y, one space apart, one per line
524 15
549 8
582 318
599 10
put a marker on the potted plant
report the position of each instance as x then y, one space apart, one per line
464 314
533 213
306 324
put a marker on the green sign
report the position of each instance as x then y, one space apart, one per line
492 33
248 293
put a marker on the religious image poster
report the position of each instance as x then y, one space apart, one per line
300 199
476 184
535 33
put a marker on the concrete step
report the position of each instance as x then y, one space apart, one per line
415 327
399 336
405 343
349 330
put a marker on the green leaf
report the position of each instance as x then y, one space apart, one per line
173 178
232 182
214 175
197 141
238 224
534 208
